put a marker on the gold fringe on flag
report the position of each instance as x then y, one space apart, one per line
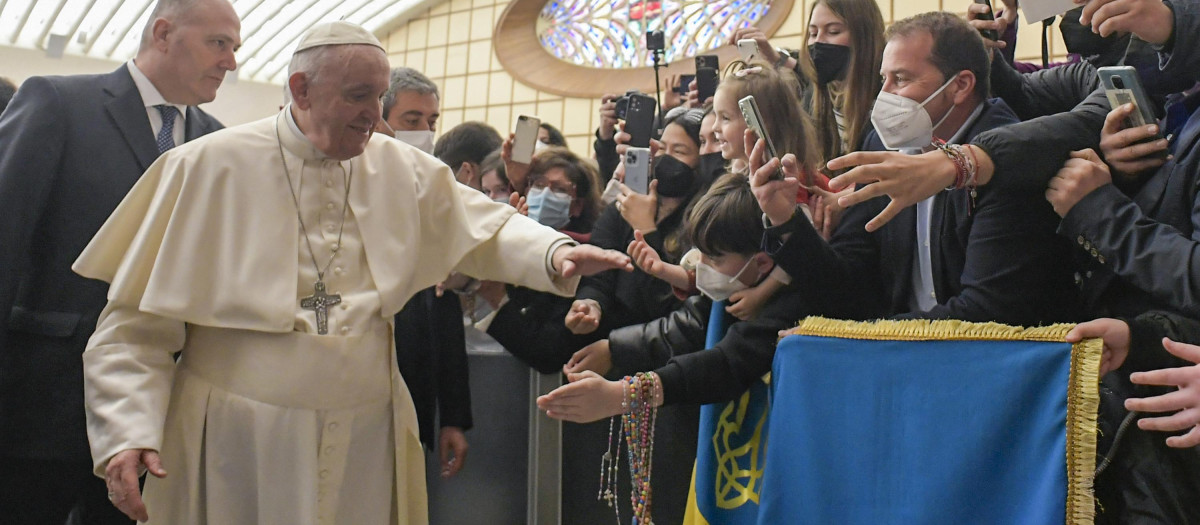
1083 395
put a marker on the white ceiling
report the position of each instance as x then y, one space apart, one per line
110 29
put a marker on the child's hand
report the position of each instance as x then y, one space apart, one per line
584 317
748 303
595 357
644 256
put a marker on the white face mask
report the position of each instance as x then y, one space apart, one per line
539 146
903 123
420 139
716 285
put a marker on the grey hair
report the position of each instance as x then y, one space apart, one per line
310 61
168 9
406 79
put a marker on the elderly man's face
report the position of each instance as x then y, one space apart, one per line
200 46
343 104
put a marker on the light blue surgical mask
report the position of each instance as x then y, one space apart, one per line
548 207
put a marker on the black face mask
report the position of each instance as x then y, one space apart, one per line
711 166
1080 39
675 179
829 60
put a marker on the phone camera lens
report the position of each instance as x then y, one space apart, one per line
1118 83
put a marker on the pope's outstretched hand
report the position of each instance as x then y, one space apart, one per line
586 259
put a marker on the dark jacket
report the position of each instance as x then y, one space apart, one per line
1144 480
70 149
432 355
1045 91
1143 251
627 298
606 157
650 345
995 257
1027 155
531 327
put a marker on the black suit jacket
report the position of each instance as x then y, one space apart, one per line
994 257
432 354
70 149
1143 250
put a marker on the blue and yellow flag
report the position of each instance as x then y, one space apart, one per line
931 422
730 455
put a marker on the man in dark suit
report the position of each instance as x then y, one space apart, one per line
70 148
975 255
430 347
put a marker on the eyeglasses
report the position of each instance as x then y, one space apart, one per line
557 187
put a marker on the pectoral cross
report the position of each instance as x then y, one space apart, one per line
320 302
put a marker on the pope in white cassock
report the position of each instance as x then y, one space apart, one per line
273 255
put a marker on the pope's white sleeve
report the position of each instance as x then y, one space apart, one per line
518 254
128 372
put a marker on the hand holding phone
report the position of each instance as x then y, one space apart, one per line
525 138
637 169
639 120
748 48
754 122
990 34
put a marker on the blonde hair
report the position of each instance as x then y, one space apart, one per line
777 95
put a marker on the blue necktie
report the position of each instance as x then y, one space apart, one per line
166 135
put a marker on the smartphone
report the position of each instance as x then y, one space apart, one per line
1122 86
684 82
637 169
525 138
754 122
639 120
709 61
989 34
706 83
748 48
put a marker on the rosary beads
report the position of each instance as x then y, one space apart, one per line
637 427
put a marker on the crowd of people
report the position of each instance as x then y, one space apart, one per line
237 330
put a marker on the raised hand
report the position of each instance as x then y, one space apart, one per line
586 259
584 317
596 357
1185 401
1121 147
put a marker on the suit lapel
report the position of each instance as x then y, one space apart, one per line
195 126
129 114
905 234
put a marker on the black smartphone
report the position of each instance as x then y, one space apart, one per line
639 120
989 34
706 83
684 82
709 61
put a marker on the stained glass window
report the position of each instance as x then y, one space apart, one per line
612 33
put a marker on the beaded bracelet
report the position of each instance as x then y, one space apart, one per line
966 167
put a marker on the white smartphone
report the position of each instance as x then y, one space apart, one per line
525 139
637 169
748 48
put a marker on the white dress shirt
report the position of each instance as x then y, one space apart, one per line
150 98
